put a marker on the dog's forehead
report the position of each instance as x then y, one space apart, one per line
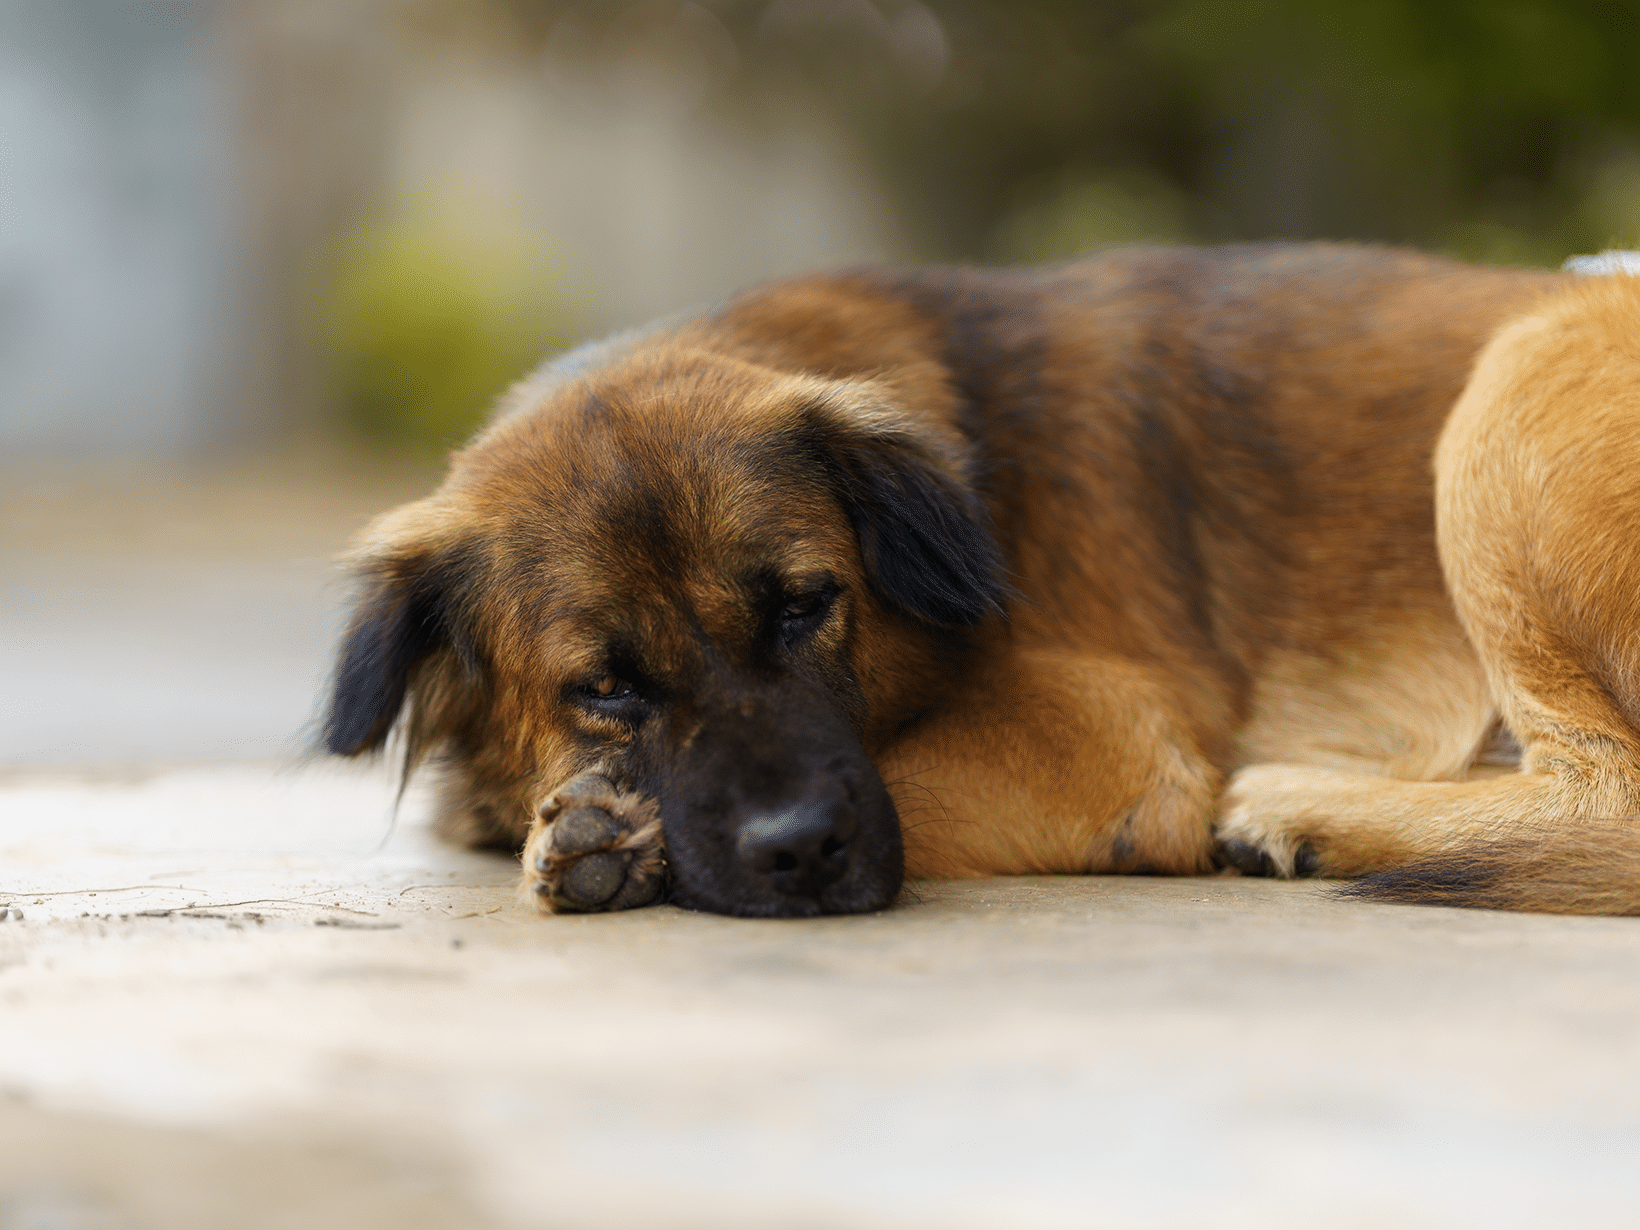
646 508
666 616
660 549
716 583
674 390
653 467
655 505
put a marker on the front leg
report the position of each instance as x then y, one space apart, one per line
1059 762
1282 820
594 848
1297 820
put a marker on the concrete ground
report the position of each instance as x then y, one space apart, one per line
237 994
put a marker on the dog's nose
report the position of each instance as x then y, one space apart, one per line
802 848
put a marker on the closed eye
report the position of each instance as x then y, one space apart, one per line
801 608
802 614
611 696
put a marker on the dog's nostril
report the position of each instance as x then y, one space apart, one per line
799 849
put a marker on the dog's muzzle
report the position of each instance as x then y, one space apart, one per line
802 849
776 812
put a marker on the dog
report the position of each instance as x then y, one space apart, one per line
1162 561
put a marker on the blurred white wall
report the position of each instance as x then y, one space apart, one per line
119 311
649 198
174 177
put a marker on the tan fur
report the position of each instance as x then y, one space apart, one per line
1574 867
1538 498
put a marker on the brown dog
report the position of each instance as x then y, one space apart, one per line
1148 563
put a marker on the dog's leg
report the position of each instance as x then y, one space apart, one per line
1538 500
1296 820
1050 761
594 848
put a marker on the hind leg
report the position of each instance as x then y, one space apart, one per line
1538 507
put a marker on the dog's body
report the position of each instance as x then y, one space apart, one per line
1146 563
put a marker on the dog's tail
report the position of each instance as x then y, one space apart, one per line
1582 867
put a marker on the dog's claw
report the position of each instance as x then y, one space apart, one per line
594 848
1247 858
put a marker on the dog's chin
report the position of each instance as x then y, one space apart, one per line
841 898
871 883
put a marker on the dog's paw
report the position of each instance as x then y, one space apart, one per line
593 848
1262 829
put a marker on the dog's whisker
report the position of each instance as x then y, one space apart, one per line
908 833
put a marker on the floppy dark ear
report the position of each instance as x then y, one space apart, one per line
399 621
924 535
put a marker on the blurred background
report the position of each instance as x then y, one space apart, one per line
262 264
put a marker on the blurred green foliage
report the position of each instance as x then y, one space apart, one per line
1499 129
426 324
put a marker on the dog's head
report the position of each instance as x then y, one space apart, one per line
716 583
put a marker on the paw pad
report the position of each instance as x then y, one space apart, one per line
595 849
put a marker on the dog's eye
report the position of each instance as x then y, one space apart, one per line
609 695
802 608
802 614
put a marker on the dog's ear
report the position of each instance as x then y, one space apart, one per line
924 534
397 624
406 614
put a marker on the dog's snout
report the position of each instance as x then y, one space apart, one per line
802 848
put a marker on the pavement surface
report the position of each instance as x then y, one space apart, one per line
238 994
235 996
